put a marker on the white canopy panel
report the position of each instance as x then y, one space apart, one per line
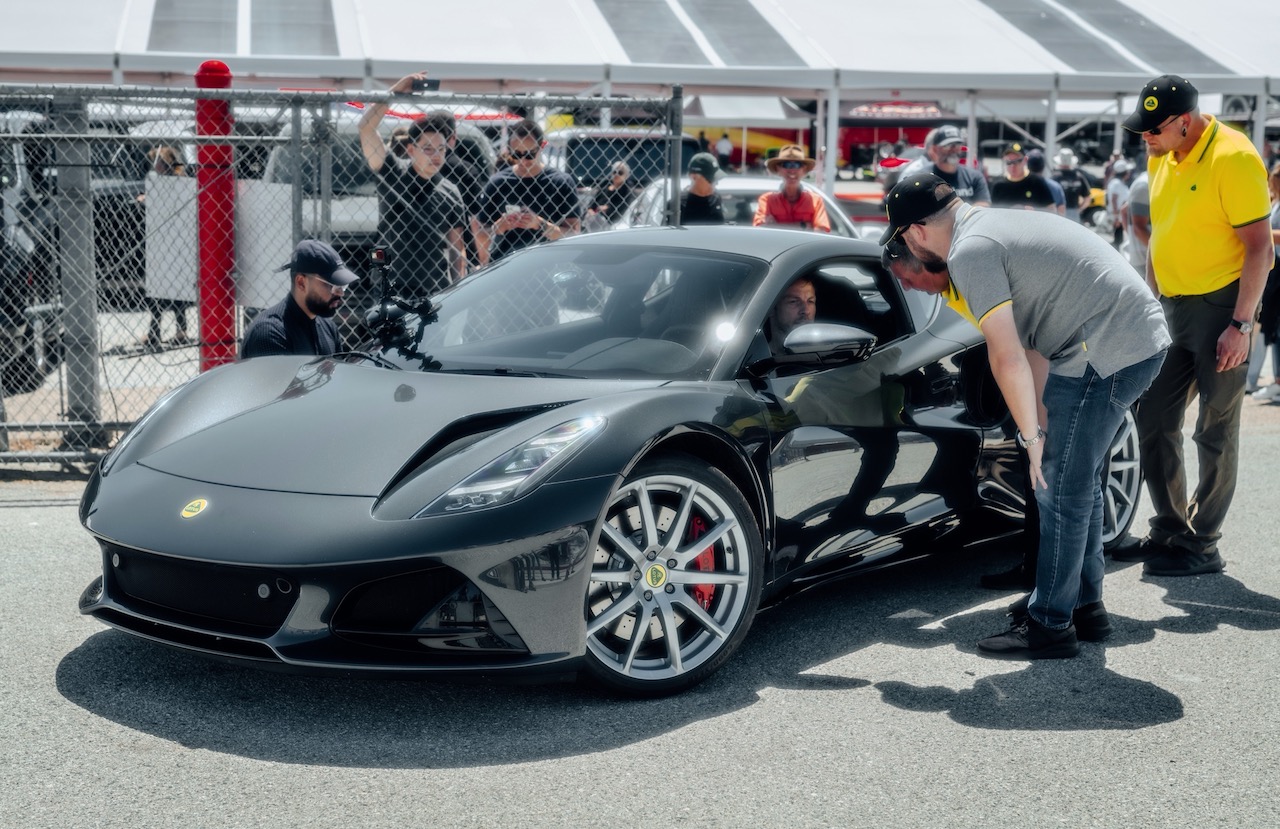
1080 48
744 110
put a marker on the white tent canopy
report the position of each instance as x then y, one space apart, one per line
1023 48
744 110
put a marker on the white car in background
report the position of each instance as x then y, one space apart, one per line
738 196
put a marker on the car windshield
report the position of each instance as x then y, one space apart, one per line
351 173
619 311
590 159
737 200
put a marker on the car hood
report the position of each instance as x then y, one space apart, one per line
335 428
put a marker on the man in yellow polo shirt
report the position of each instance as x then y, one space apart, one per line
1208 260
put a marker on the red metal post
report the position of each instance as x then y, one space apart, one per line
216 232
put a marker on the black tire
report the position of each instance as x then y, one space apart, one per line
1121 484
649 586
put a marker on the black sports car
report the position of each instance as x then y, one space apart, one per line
585 457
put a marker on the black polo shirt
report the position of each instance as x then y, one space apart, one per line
1031 191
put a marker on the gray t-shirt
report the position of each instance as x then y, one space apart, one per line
1139 205
1075 299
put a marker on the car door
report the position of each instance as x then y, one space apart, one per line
870 455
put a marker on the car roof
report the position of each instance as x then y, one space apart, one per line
613 132
754 185
733 239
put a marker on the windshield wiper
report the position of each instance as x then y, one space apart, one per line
505 371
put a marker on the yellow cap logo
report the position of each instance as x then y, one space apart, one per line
655 576
1150 103
194 508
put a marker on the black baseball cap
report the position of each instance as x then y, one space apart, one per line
1014 148
945 136
914 199
315 257
1160 100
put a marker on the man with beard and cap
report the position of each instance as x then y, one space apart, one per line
301 323
944 146
1073 337
1208 258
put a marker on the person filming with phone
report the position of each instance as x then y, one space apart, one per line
423 214
526 203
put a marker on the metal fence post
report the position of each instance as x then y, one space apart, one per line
216 231
324 135
295 174
74 201
675 128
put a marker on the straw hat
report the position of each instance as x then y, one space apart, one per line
791 152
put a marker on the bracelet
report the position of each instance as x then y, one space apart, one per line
1027 443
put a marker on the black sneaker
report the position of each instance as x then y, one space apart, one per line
1017 578
1092 622
1031 640
1179 563
1133 549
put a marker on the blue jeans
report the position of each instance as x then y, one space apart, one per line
1085 414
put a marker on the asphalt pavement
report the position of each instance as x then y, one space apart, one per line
860 704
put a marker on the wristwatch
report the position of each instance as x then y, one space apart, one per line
1243 327
1027 442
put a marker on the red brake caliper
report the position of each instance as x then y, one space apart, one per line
706 560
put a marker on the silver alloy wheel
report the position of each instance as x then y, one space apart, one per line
674 581
1121 483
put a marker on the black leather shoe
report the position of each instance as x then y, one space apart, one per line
1179 563
1092 622
1017 578
1031 640
1133 549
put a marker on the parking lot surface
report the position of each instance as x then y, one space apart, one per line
858 704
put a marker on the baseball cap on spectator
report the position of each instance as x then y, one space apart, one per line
1015 148
1122 166
914 199
945 136
705 165
312 256
1035 161
1065 157
1160 100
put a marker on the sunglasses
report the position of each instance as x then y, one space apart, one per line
1012 161
791 165
526 155
1159 129
333 289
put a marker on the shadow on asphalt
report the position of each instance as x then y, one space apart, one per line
381 723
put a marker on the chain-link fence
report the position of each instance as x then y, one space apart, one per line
112 233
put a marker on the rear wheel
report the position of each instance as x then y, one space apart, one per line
1121 483
675 580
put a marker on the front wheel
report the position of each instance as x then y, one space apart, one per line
675 580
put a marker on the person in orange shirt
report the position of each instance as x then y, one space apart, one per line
793 204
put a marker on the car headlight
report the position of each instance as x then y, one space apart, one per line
518 471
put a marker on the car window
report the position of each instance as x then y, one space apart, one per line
351 173
618 311
856 292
